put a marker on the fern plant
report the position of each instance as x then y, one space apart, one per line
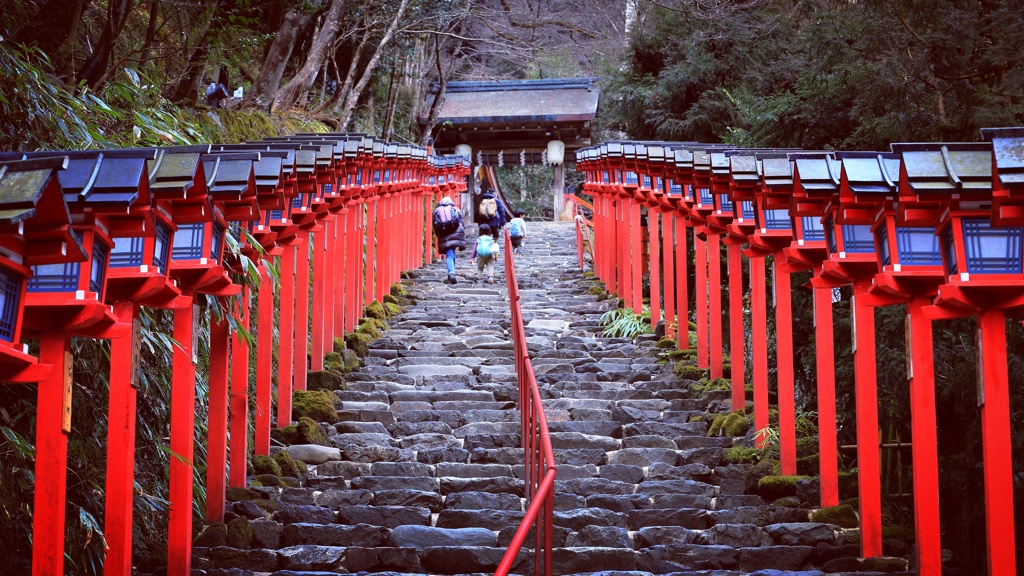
624 323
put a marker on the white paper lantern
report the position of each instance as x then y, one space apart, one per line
464 150
501 158
556 152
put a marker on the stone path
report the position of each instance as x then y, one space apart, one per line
425 477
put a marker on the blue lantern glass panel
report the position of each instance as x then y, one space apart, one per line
10 292
188 242
604 177
918 246
726 203
830 235
127 252
359 178
618 176
217 242
297 201
882 240
274 215
659 184
992 250
99 266
376 176
705 197
674 188
949 252
746 210
857 239
387 175
647 181
812 228
777 220
631 177
161 247
54 278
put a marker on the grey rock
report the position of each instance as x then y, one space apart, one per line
687 557
736 535
489 519
224 557
416 498
308 557
428 440
622 473
304 514
376 483
442 454
576 441
776 557
643 456
347 470
313 454
420 537
387 516
399 429
466 560
589 486
494 485
382 560
592 559
400 469
265 534
459 470
601 536
691 518
334 499
617 503
802 533
660 535
371 453
580 518
483 501
594 456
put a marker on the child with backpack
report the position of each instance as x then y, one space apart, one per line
450 232
492 212
486 253
517 231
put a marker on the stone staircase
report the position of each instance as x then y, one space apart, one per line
424 473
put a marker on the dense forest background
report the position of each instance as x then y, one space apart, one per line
843 74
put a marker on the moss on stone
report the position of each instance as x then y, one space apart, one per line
726 370
269 505
596 291
316 404
268 479
212 536
775 487
390 299
287 435
241 494
326 380
352 361
696 418
842 515
309 432
286 464
688 354
666 343
741 455
884 565
334 361
379 324
392 309
588 274
807 465
731 424
693 326
806 446
787 502
339 344
265 465
359 343
239 533
686 372
371 330
289 482
901 533
375 310
398 290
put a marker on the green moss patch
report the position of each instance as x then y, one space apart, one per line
398 290
334 361
686 372
666 343
339 344
371 330
309 432
807 465
352 361
242 495
775 487
375 310
239 534
327 380
389 299
315 404
267 479
393 309
842 515
288 435
359 342
265 465
741 455
286 464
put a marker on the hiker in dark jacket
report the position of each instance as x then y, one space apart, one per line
497 221
448 243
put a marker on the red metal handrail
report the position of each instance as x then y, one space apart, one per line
584 240
539 459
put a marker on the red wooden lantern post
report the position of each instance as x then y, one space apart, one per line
682 177
852 260
814 184
35 232
981 277
703 205
773 231
655 193
744 180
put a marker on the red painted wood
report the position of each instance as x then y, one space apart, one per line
736 333
316 336
611 248
51 473
636 265
183 415
682 284
759 345
121 414
217 427
301 362
625 279
655 265
240 397
924 439
715 304
868 459
264 359
342 277
372 222
995 435
355 282
428 230
668 272
824 342
784 373
383 240
701 295
286 337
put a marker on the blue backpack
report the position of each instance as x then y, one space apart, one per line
515 228
486 247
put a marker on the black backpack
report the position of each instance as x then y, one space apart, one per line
446 219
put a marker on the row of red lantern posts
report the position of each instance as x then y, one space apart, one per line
937 226
89 237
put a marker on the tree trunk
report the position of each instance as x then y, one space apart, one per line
265 87
187 89
95 67
296 89
353 97
350 76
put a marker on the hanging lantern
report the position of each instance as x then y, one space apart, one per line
501 158
464 150
544 157
479 158
522 158
556 152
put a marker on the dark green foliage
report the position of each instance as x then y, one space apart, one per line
842 515
775 487
742 455
212 535
316 404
